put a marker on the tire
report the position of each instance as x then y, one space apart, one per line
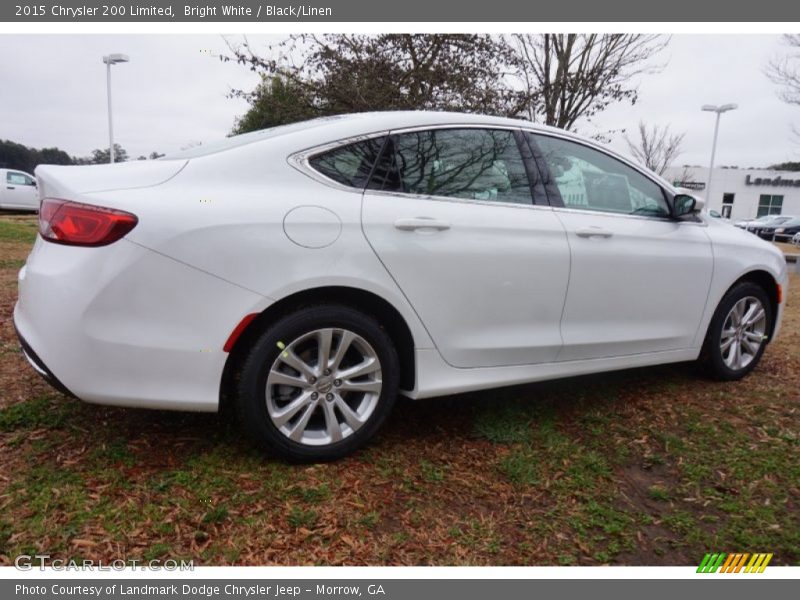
718 357
290 404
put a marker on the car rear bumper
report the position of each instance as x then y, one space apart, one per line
38 365
122 325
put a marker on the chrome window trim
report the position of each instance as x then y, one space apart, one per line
300 160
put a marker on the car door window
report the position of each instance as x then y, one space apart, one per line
473 164
349 165
589 179
18 179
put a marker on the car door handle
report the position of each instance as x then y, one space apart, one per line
414 223
590 232
10 187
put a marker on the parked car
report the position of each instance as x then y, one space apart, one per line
766 228
752 222
362 256
18 191
785 231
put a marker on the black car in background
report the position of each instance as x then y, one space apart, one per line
783 232
766 229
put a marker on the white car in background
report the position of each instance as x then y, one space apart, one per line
311 272
18 190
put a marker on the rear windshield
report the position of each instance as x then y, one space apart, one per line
248 138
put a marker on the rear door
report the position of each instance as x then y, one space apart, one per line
639 279
459 219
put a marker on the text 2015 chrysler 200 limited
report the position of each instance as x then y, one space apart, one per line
310 272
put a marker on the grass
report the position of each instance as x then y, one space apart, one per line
19 231
649 466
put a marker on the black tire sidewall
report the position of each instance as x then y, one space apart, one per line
251 390
713 353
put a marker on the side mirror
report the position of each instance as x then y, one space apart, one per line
684 204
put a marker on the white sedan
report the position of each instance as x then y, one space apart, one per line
309 273
18 191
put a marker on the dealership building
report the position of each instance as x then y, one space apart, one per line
740 194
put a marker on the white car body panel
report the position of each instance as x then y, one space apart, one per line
507 295
500 272
615 306
17 196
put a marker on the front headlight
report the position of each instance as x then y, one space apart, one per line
779 230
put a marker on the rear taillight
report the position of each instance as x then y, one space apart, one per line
77 224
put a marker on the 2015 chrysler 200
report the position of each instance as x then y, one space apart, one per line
308 273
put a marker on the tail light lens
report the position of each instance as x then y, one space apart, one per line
78 224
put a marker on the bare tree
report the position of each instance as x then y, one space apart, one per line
785 70
569 76
655 147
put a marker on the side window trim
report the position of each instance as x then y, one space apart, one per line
554 194
551 191
532 168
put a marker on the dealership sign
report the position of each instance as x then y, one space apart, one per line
777 181
690 185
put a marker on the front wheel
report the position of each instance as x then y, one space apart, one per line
738 333
318 383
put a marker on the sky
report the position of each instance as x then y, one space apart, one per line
174 93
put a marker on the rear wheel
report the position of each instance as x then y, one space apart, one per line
318 384
738 333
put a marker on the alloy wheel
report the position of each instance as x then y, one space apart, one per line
743 333
323 386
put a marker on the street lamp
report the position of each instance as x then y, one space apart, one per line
111 59
719 110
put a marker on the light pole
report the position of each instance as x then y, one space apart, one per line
111 59
719 110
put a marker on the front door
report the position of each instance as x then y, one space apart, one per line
639 279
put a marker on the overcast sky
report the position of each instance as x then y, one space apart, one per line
174 93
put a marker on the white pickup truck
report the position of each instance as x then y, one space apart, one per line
18 190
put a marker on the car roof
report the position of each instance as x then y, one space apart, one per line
324 130
355 124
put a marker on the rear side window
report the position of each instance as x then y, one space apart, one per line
475 164
349 165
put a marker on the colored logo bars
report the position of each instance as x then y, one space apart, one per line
733 563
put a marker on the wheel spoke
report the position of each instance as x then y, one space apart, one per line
344 345
756 317
754 337
748 315
361 386
350 416
278 378
750 346
298 364
727 343
299 429
324 339
737 355
736 314
332 423
370 365
284 415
